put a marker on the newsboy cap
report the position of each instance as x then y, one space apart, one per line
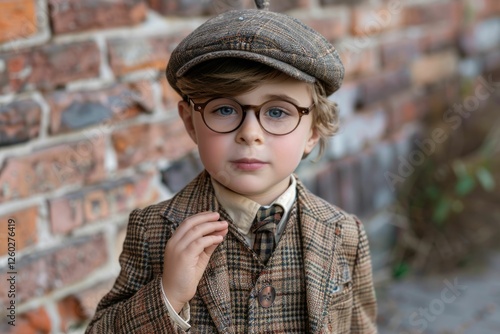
274 39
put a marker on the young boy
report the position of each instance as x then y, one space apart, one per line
245 248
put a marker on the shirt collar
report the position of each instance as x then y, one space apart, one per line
242 210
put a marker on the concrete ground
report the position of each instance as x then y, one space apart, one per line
464 301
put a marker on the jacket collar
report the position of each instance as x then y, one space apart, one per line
325 264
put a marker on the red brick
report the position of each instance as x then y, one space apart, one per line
399 53
17 19
19 122
66 214
210 7
359 61
339 2
333 28
110 198
33 278
438 38
405 108
71 313
26 231
74 15
31 322
41 273
75 262
382 85
149 142
88 299
132 54
50 66
283 6
450 12
434 68
170 97
75 163
75 110
374 20
95 205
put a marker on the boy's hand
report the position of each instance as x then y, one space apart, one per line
187 254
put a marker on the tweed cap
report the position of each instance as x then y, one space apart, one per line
274 39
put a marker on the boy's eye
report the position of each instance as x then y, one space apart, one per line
276 113
225 111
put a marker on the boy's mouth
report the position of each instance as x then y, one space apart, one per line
248 164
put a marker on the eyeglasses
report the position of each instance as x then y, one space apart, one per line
225 115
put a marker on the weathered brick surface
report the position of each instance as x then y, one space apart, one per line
332 27
440 37
196 8
405 108
74 163
89 298
74 15
49 66
169 96
149 142
19 121
434 68
71 313
358 59
397 54
102 202
42 272
72 111
25 229
370 20
31 322
132 54
382 85
450 11
17 19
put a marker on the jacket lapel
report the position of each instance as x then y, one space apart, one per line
213 288
324 261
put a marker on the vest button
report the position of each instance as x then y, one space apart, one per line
267 295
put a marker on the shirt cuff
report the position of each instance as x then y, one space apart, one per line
180 319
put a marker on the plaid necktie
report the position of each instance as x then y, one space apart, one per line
264 228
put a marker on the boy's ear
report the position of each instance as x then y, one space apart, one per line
312 141
186 114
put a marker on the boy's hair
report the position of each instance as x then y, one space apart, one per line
234 76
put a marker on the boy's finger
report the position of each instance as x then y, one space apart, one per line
198 247
199 231
194 220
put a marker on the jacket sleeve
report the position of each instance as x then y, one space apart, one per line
135 303
364 311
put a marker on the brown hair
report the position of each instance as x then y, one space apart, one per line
234 76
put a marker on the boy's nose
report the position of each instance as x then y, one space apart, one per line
250 132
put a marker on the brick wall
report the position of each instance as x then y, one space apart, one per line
89 130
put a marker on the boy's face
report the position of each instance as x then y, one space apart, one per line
250 161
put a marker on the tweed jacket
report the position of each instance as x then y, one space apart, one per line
339 290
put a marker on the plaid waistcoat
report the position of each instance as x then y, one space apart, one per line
284 272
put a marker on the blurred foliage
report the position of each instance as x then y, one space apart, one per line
451 202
